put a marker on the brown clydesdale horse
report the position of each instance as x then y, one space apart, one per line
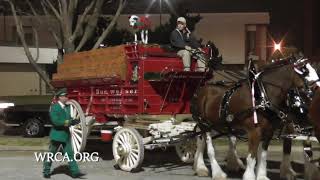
278 78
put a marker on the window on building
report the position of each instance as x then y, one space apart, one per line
28 35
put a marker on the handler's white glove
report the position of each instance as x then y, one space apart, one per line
311 76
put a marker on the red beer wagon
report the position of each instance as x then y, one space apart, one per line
141 91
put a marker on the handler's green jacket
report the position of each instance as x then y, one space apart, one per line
60 118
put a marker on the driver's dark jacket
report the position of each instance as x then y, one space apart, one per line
180 40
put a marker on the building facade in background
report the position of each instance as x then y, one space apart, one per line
235 34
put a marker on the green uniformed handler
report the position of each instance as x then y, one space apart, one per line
60 135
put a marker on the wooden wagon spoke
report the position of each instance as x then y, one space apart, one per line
77 131
120 142
77 143
134 155
126 137
122 138
78 137
131 160
74 145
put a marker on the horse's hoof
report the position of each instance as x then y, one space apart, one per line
288 177
202 172
287 173
249 177
235 165
221 176
263 178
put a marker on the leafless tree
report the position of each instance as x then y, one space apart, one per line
71 25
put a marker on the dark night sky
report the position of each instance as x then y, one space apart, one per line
285 15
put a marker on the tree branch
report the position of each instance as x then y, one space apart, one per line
91 25
50 29
20 32
72 6
81 20
106 32
36 39
60 6
53 9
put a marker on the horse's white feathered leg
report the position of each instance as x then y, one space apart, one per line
217 172
262 164
249 173
199 165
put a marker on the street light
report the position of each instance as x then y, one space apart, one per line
277 46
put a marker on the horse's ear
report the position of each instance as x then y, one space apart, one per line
129 17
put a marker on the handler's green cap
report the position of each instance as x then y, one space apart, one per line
62 92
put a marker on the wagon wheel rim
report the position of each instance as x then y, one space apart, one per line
32 128
127 150
186 150
78 132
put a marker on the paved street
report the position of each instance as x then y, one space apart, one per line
157 165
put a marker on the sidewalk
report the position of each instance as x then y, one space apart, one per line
23 148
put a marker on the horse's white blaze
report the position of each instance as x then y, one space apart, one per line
216 170
249 173
262 163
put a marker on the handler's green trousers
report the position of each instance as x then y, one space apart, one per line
67 149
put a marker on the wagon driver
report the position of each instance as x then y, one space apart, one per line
183 42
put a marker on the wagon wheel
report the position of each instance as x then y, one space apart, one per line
128 149
78 132
186 150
